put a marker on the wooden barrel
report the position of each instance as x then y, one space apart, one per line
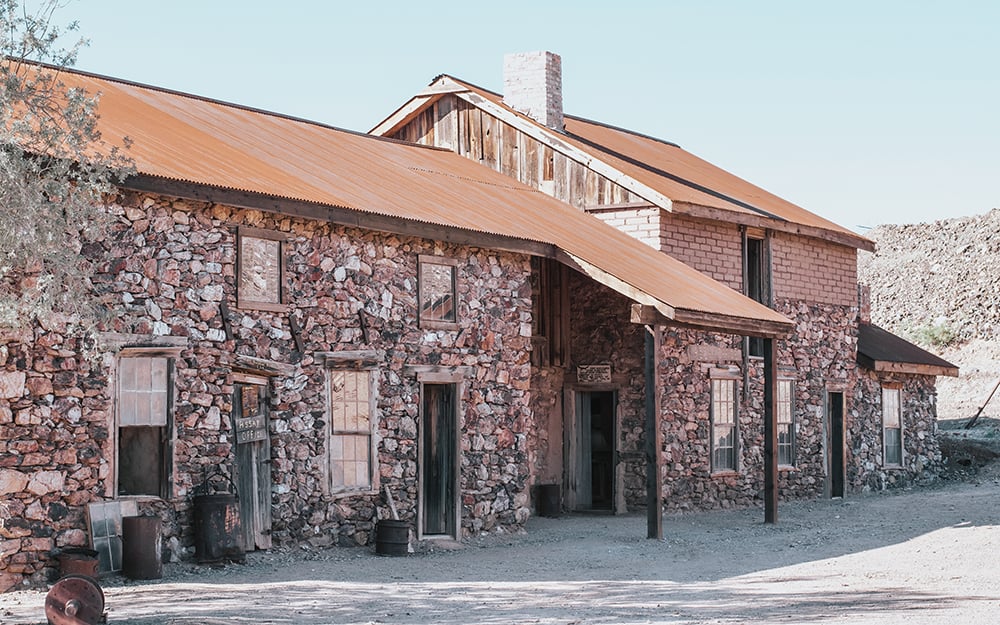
392 538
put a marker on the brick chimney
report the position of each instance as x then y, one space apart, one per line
864 304
532 84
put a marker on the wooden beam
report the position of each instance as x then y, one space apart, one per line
886 366
654 438
546 136
770 432
733 325
404 114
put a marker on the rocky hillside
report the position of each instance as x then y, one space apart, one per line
938 285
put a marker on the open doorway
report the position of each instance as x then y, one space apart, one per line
835 462
439 514
593 453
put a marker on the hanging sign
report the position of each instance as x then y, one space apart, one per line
251 429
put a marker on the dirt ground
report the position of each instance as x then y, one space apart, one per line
925 555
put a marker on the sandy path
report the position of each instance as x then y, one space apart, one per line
920 556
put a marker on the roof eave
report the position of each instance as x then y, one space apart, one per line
889 366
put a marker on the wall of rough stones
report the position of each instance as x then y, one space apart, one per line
922 460
174 264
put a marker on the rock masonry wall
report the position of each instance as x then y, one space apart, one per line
174 264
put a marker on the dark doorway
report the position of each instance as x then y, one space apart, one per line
253 463
439 470
835 443
596 445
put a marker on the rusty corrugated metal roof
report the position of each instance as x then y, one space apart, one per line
180 137
676 173
880 349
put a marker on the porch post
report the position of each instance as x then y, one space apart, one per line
770 433
654 488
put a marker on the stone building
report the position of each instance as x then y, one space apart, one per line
324 316
844 424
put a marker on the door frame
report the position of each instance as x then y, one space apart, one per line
261 538
571 451
457 379
835 458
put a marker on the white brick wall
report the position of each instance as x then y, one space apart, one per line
532 84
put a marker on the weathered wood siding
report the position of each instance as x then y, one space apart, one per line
455 124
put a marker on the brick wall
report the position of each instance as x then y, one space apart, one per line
713 248
642 223
813 270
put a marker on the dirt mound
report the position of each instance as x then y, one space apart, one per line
936 285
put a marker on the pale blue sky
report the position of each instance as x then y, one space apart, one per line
866 112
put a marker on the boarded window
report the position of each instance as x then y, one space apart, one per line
892 430
143 425
438 298
724 430
261 270
351 410
785 418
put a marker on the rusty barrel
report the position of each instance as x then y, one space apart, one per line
218 533
78 561
392 538
142 547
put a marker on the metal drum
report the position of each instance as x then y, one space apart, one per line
142 547
218 534
392 538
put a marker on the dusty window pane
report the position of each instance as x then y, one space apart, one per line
724 425
892 432
437 292
142 391
351 430
260 270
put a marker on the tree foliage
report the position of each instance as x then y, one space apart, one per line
55 174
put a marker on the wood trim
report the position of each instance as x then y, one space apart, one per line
758 221
547 137
115 341
406 113
884 366
356 359
439 373
339 215
261 366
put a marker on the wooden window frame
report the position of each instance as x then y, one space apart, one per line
361 363
714 402
437 324
763 282
785 419
897 390
242 299
166 430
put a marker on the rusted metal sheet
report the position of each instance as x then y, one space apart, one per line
185 138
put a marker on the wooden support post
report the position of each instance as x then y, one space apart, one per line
654 488
770 433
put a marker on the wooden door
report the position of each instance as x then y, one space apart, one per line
439 466
253 463
835 460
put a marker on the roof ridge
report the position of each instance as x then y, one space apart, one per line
620 129
234 105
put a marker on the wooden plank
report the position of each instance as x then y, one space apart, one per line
491 142
509 151
476 135
591 186
654 437
577 185
462 113
560 177
530 165
446 124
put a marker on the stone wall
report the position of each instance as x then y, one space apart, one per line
921 454
174 264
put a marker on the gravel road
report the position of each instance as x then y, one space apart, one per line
926 555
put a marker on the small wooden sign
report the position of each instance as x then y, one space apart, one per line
250 400
593 374
251 429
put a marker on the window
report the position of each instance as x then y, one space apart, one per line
261 270
437 294
785 418
892 429
144 432
756 278
724 448
352 401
